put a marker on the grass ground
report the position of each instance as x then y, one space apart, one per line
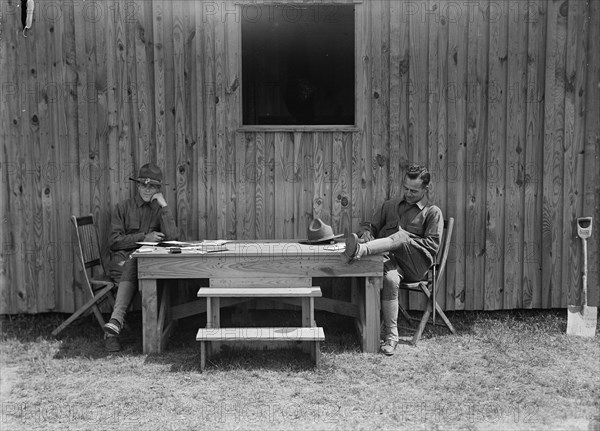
503 371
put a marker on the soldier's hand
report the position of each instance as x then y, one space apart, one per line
160 199
366 236
154 236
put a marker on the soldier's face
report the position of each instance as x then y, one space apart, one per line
414 190
147 191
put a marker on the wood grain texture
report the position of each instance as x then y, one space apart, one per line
475 171
514 170
553 161
591 188
532 236
500 98
495 156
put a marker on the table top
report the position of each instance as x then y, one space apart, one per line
244 248
249 258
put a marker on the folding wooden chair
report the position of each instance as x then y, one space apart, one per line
429 287
96 283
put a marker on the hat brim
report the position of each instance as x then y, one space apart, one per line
320 240
146 181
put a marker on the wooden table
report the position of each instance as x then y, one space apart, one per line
262 261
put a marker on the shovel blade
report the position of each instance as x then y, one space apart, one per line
581 320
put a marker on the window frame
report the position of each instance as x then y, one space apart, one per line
359 78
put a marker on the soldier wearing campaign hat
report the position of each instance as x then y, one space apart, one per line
143 218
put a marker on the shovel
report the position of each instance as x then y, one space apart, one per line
581 320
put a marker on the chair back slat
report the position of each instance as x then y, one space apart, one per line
89 243
88 246
442 255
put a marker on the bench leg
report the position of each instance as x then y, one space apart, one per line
202 355
316 354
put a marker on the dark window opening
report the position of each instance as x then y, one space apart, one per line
298 64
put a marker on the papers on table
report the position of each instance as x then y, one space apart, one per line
200 247
205 243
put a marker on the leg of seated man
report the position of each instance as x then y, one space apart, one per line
355 250
413 263
125 293
389 300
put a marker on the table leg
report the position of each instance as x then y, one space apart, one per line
151 337
371 325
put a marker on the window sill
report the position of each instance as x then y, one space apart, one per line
294 128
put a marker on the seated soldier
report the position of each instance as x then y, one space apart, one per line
410 229
145 217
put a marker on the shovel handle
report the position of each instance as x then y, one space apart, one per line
584 273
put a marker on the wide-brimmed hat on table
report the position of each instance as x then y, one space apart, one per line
318 232
149 174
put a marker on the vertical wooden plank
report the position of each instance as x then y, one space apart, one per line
112 142
63 298
143 34
213 229
534 155
224 174
231 98
82 115
383 162
394 84
270 187
575 73
439 157
476 137
200 148
497 15
122 96
345 226
261 182
591 189
553 160
431 97
168 161
306 183
379 144
329 175
362 154
97 161
181 151
159 82
248 186
8 169
456 96
284 185
299 221
31 247
13 292
515 161
70 177
191 91
336 182
318 176
418 143
128 15
60 186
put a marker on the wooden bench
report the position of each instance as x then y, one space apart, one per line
314 335
213 334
